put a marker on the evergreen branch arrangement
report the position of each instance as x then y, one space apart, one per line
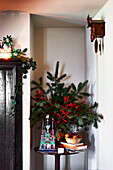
27 63
65 104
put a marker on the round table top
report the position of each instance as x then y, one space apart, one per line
55 152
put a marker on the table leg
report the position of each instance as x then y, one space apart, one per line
57 162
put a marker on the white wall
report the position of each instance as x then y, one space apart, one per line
66 45
100 71
92 77
32 73
18 26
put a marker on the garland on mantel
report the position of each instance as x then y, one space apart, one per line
27 63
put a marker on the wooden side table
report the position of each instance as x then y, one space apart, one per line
57 155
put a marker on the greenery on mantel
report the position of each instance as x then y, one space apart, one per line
66 104
27 63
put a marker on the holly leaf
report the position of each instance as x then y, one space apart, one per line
82 85
80 97
14 102
40 80
56 70
25 76
49 74
85 94
80 121
95 124
60 78
25 49
73 86
12 97
85 83
33 68
94 106
50 78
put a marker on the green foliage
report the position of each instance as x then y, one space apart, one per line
66 104
27 63
56 71
8 40
14 98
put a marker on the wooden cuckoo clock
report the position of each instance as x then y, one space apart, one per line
97 30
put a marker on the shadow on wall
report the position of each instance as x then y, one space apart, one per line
89 140
88 136
37 160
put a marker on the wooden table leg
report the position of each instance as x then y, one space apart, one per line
57 162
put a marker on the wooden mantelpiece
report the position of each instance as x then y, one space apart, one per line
10 129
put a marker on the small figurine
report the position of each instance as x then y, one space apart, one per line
47 142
